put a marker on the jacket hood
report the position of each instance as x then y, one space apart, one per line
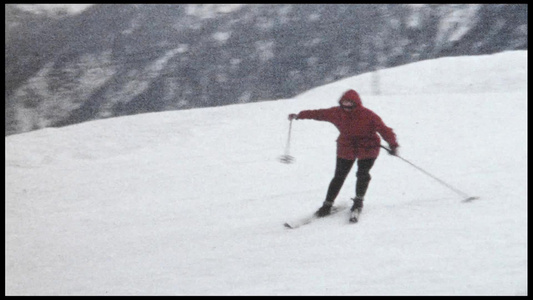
352 96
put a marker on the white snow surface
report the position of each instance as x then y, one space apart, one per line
192 202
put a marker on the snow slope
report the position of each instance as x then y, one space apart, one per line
192 202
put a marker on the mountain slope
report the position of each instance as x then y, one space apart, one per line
113 60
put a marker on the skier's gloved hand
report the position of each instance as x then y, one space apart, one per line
393 150
293 116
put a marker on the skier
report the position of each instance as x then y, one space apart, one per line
358 139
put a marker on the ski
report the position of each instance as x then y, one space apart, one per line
298 223
309 219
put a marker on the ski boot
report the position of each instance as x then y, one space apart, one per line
356 209
357 204
324 210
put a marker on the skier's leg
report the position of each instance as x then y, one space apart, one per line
363 176
342 169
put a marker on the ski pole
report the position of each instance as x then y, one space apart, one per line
287 158
461 193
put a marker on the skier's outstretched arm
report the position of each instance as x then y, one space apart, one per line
317 114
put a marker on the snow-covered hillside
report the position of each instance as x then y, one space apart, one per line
192 202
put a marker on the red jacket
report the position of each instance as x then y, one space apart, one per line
358 128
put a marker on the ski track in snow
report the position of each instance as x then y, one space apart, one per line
193 202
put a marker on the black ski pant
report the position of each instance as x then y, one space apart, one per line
342 169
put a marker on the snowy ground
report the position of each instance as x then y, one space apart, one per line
193 202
